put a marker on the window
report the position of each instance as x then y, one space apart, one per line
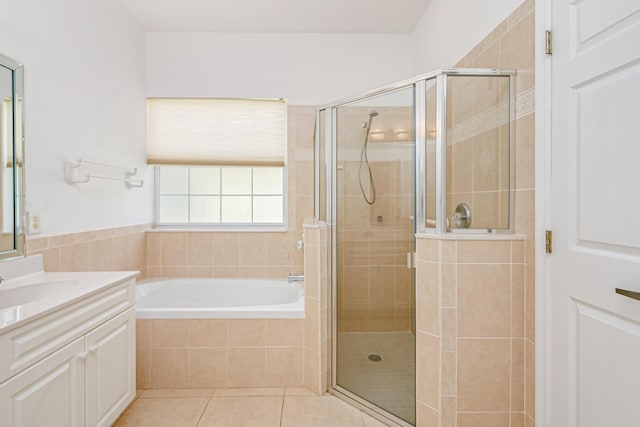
219 162
220 195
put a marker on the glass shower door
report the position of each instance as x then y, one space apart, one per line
375 344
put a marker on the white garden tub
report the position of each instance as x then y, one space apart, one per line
219 299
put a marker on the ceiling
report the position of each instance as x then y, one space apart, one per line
278 16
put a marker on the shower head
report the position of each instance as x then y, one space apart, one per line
373 114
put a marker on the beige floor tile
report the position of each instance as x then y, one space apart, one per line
150 394
319 411
298 391
372 422
258 411
254 391
181 412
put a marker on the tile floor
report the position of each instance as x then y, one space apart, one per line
388 383
236 407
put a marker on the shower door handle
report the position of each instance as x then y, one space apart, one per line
411 260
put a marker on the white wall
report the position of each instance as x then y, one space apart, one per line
449 29
84 97
306 69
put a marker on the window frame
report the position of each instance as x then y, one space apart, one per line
222 227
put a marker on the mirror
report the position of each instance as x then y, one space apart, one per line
12 236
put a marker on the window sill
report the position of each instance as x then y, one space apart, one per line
219 229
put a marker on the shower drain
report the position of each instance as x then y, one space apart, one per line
375 357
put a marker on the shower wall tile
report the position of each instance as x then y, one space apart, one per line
517 300
428 369
510 46
448 411
427 297
315 355
517 374
530 377
479 304
483 420
484 300
525 152
483 374
484 252
427 416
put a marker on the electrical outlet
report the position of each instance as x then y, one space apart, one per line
34 222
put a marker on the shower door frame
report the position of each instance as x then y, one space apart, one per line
330 203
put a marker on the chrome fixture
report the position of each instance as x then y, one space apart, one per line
295 278
462 216
363 156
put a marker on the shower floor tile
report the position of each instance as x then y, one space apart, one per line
388 383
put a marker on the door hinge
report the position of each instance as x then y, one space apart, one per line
548 241
547 38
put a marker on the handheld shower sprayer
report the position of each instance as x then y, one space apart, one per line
364 158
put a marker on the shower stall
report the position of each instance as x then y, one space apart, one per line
427 155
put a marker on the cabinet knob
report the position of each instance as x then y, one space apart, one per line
83 355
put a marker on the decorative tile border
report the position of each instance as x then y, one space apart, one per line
521 105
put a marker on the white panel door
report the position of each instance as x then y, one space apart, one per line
49 393
110 369
595 204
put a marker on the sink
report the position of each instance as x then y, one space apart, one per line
24 294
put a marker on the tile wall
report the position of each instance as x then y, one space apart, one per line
120 248
471 332
215 352
316 347
376 288
247 254
211 353
487 372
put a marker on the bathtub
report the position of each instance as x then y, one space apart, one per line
219 299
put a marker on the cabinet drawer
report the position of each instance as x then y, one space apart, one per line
32 342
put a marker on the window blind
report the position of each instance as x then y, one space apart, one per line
205 131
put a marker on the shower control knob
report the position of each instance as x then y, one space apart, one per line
462 216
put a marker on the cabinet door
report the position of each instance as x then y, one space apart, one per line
110 369
49 393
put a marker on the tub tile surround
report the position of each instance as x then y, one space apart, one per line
195 353
247 254
210 353
118 248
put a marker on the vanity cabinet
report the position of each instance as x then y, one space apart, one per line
86 375
110 369
50 393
